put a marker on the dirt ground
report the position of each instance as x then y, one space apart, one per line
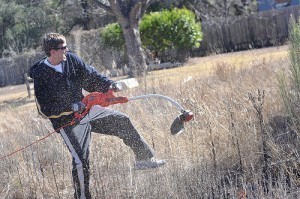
12 89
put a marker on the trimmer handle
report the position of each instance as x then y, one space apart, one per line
102 99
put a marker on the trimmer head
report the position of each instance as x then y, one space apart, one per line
177 126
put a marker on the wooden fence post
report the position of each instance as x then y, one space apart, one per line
28 80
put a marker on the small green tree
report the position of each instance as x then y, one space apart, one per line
30 24
7 21
290 87
22 24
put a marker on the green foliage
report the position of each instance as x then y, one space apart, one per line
290 89
294 50
112 36
22 25
7 13
175 29
29 28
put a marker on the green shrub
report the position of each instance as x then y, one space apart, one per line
112 36
175 29
290 87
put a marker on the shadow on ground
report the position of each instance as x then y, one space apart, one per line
16 102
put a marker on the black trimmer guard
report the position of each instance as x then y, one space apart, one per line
177 126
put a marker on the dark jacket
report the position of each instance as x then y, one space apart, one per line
55 91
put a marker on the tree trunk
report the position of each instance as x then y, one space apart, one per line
135 55
129 14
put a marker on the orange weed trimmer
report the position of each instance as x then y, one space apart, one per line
107 99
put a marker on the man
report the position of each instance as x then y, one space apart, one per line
58 82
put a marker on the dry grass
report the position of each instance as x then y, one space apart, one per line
205 66
219 156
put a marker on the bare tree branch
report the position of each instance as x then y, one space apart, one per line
116 7
103 6
145 4
192 7
135 11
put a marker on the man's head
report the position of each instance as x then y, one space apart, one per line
55 46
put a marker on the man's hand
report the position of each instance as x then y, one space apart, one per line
78 107
116 86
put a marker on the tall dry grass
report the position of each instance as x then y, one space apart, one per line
231 149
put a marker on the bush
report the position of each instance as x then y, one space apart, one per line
175 29
112 36
160 31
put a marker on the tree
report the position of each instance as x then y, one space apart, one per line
22 24
29 27
7 13
129 14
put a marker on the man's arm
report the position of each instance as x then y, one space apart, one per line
91 79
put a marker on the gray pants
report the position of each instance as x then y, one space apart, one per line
105 121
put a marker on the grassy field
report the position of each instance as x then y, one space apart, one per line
237 110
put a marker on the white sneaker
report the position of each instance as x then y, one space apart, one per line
148 164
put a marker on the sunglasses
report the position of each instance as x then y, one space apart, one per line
61 48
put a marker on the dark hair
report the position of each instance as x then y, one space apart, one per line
52 41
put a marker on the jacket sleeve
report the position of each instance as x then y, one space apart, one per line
90 79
